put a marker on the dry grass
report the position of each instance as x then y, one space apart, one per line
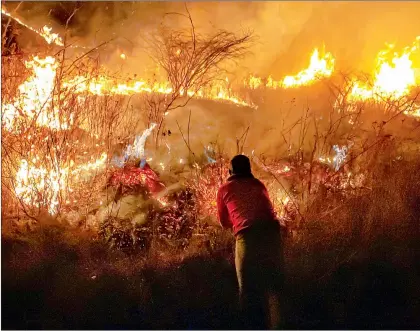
353 263
351 258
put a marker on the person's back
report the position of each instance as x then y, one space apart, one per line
244 205
243 201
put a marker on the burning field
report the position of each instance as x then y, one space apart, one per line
113 148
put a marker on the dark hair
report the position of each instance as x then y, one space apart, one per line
241 165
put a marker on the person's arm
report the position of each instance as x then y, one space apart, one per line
222 211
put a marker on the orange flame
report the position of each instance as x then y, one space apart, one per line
37 92
54 184
35 98
393 78
319 67
103 86
43 185
45 32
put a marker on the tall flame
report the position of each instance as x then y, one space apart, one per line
393 78
319 67
35 100
54 184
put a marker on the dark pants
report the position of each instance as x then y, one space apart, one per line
259 263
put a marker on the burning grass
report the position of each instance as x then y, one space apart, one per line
354 257
86 204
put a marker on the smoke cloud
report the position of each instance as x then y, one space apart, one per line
286 31
286 34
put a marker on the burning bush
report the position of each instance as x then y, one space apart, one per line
47 136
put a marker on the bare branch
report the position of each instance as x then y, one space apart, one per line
192 61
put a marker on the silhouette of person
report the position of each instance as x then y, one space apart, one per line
244 206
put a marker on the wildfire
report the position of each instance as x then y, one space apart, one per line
319 67
36 94
45 32
393 78
37 102
38 186
103 86
51 37
254 82
34 100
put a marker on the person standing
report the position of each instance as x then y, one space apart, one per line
244 206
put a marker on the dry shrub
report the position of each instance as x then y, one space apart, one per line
191 61
343 227
50 149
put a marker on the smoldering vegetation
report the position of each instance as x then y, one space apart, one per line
352 264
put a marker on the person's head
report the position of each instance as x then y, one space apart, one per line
240 165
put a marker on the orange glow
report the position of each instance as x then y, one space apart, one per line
38 186
35 98
45 32
36 94
393 78
319 67
51 37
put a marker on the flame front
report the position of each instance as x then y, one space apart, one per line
393 78
38 186
35 94
45 32
319 67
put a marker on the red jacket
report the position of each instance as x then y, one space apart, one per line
242 201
